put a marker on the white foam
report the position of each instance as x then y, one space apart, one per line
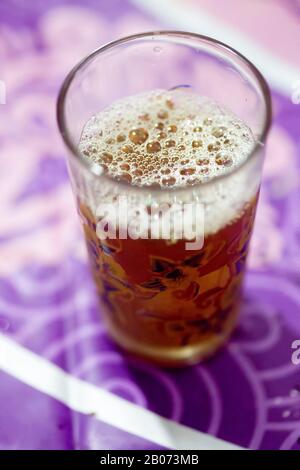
221 137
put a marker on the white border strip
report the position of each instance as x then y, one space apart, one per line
86 398
279 73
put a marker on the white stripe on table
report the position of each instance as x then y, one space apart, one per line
86 398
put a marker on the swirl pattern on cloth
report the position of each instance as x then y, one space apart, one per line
249 393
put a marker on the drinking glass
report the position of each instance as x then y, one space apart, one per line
159 300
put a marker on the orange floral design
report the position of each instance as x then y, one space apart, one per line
159 294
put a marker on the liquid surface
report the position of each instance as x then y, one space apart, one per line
167 139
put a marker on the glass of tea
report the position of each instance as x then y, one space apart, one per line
166 134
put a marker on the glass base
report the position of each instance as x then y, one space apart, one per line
177 356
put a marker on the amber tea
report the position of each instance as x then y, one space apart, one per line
159 300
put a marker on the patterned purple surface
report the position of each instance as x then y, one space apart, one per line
249 394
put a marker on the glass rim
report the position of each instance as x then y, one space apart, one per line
91 167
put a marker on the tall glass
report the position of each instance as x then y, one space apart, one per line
160 300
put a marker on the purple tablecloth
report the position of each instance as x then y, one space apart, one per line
249 394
